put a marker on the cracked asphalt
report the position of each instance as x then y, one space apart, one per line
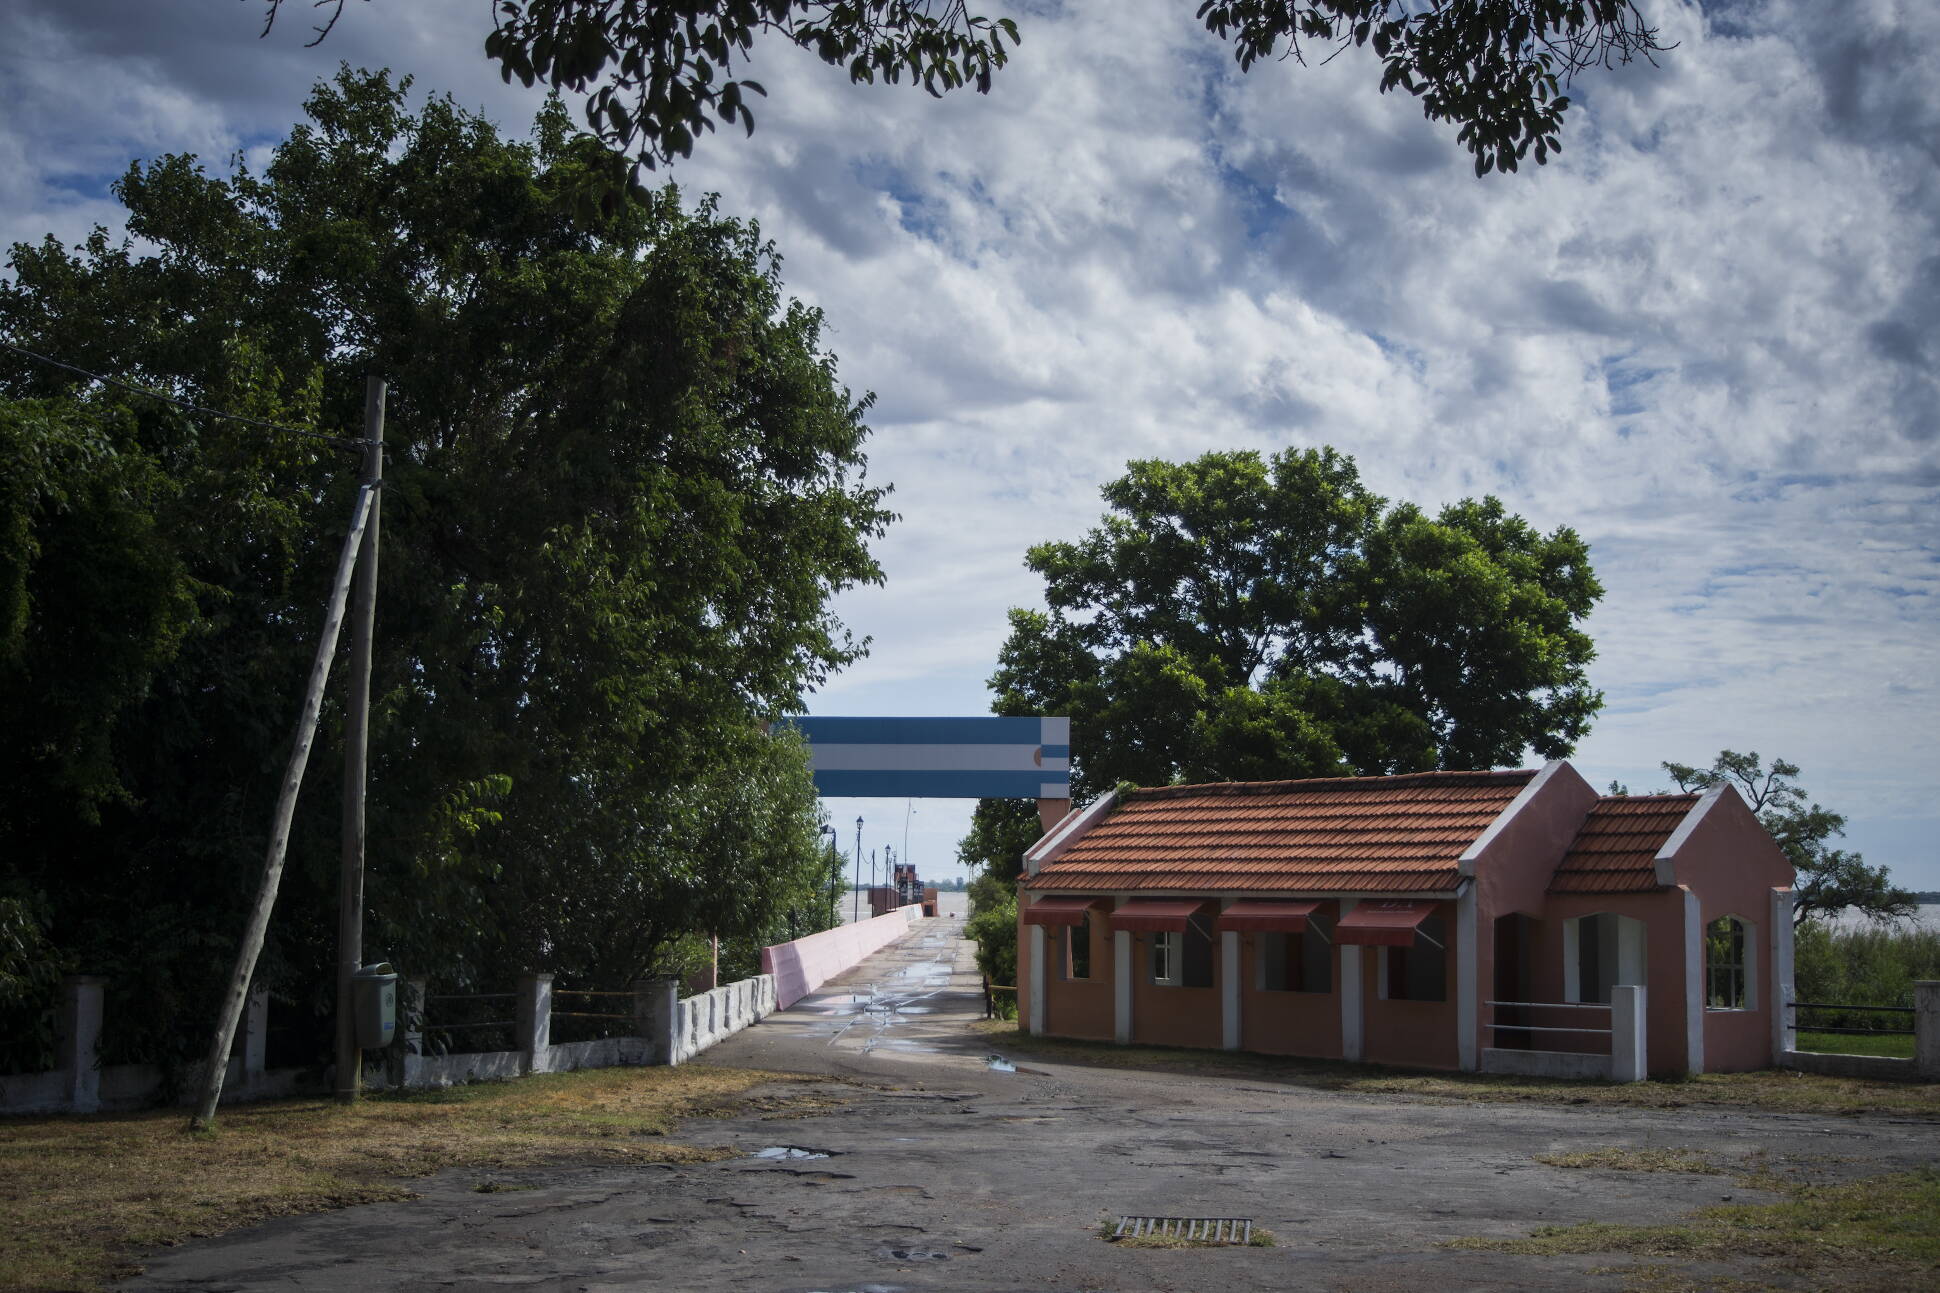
928 1169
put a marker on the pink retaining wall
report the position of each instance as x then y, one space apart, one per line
806 964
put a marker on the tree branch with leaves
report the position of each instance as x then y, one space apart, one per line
655 75
1829 880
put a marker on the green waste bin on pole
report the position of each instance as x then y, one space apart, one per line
373 996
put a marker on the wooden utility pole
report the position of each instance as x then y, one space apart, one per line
279 834
350 885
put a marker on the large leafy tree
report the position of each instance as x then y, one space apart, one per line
1240 618
656 74
1828 879
623 485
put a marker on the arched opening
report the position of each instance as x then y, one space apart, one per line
1730 964
1515 982
1601 952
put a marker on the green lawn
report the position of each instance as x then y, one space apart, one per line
1890 1044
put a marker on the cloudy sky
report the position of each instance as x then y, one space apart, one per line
1707 337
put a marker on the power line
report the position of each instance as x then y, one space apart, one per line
341 442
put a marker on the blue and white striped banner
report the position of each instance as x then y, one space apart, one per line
940 758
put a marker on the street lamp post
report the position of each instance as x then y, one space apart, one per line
855 912
835 874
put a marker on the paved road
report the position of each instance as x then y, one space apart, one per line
954 1174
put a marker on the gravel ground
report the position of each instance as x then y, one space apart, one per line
926 1167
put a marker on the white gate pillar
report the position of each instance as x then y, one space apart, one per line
1229 989
1121 987
1629 1059
1038 957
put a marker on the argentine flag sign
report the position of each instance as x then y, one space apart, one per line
940 758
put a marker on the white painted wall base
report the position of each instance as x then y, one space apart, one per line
1556 1064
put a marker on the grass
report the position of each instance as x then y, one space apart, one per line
1618 1159
81 1194
1770 1089
1879 1233
1893 1045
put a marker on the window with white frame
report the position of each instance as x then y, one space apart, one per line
1730 971
1166 958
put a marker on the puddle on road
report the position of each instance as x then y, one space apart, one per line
998 1064
791 1152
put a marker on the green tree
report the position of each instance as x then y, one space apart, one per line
657 74
1829 879
1000 831
1234 618
623 485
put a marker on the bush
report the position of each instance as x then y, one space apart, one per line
994 929
1868 965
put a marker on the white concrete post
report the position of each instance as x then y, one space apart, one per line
410 1027
1629 1059
255 1046
656 1005
1229 989
1926 1029
1573 959
78 1041
1121 986
535 1020
1784 1021
1467 997
1693 985
1351 1047
1039 956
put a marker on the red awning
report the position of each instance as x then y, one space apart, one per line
1256 916
1385 923
1168 914
1058 911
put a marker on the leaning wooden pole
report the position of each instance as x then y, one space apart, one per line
350 885
279 834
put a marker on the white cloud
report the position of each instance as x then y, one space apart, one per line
1705 336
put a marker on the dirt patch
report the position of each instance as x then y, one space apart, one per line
1774 1089
81 1193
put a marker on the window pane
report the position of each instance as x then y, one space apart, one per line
1198 967
1316 958
1724 958
1078 948
1272 950
1427 964
1165 958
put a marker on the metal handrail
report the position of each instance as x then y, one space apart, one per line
1828 1005
1532 1028
1554 1005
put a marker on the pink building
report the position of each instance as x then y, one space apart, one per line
1509 922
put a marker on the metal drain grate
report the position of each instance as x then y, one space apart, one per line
1199 1230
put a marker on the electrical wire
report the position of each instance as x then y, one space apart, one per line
341 442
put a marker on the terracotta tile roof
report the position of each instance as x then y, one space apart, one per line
1400 834
1616 847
